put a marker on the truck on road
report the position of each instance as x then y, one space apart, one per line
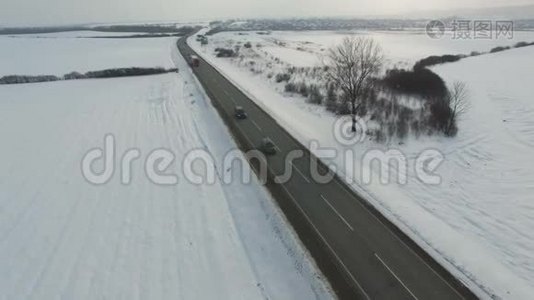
194 61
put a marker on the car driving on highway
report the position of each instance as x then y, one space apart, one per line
267 146
240 113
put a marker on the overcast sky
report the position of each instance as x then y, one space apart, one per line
35 12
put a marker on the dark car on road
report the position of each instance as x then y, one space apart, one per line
240 113
267 146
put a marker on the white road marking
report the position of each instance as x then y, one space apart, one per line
327 244
255 124
228 95
276 147
301 174
246 137
337 213
396 277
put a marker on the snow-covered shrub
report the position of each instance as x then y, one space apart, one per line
315 96
303 89
416 128
402 128
291 87
378 135
331 98
280 77
440 113
224 52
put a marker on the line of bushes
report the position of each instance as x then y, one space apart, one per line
224 52
523 44
499 49
108 73
14 79
280 77
149 28
447 58
517 45
435 60
136 36
126 72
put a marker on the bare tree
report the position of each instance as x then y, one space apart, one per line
351 66
458 104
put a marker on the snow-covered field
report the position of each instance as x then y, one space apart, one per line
27 55
62 237
478 221
401 49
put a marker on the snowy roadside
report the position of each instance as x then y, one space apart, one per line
251 217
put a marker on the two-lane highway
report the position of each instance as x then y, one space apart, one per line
363 255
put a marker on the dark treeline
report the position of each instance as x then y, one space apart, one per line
419 82
126 72
435 60
184 30
136 36
37 30
108 73
15 79
448 58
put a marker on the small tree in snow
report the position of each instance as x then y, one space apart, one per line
315 96
351 66
458 104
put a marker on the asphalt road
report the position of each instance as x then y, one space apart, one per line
362 254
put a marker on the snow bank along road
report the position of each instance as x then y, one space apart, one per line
362 254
